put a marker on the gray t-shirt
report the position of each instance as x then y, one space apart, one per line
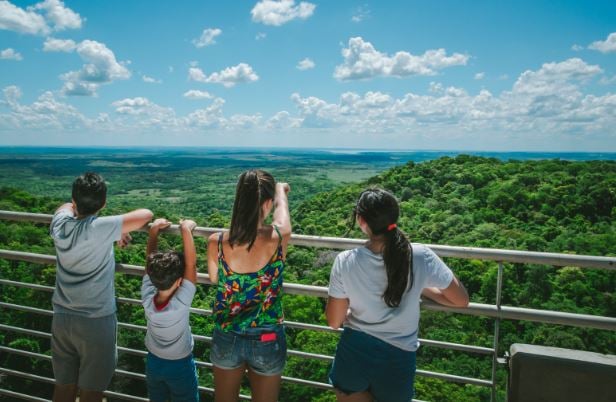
168 335
359 275
85 263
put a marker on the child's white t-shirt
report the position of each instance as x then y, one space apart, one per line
168 335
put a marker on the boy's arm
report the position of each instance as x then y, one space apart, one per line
190 254
66 207
152 246
135 220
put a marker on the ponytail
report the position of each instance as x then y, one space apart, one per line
398 259
380 210
254 187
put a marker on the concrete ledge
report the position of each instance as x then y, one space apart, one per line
546 374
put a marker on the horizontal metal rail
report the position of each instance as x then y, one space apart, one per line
289 324
122 373
477 309
18 395
442 376
515 256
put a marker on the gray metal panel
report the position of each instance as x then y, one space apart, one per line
546 374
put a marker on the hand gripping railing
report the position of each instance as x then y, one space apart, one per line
496 311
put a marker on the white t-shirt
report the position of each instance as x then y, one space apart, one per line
168 335
359 275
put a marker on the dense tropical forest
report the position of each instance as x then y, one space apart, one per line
543 205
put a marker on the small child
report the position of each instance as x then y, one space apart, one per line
167 292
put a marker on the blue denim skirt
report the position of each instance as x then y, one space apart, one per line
366 363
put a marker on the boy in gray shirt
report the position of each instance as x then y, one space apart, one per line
83 329
167 292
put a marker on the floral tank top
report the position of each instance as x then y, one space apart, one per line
249 300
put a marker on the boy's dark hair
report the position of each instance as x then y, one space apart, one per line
380 210
89 193
254 188
165 268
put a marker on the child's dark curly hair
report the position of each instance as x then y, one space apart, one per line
165 268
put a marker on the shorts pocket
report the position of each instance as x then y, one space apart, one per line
269 358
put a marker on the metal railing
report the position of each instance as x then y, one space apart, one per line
497 311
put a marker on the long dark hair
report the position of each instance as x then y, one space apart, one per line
254 188
380 210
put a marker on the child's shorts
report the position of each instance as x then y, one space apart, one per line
263 349
171 380
83 350
366 363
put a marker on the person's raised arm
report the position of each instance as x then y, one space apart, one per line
135 219
282 218
454 295
212 257
155 228
190 254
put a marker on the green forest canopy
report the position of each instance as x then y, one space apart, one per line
548 205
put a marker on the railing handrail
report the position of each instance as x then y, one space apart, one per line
339 243
477 309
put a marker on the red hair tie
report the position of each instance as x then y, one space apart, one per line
391 227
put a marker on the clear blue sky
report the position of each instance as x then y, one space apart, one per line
464 75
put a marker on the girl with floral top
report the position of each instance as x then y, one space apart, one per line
246 264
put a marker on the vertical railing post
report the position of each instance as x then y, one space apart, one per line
499 288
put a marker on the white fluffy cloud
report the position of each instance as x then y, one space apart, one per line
207 37
283 120
101 67
60 16
59 45
305 64
228 77
360 14
39 19
480 76
276 13
362 60
150 80
196 94
547 100
260 36
44 113
10 54
606 46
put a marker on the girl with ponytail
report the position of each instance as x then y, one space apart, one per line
246 265
374 292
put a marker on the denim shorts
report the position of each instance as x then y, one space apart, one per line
83 350
171 380
366 363
263 352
